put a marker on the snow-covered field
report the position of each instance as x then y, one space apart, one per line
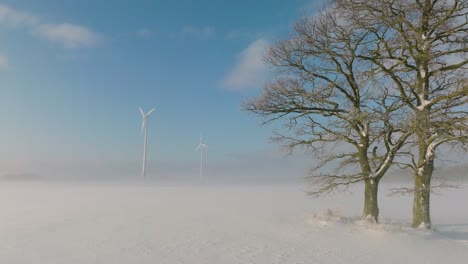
217 223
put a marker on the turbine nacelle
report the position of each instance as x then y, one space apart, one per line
201 145
145 118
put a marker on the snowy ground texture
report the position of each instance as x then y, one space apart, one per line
215 223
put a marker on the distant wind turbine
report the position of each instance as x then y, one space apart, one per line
200 147
145 129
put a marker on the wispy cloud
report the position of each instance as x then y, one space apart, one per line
15 18
244 34
144 33
4 62
198 32
235 34
69 35
250 70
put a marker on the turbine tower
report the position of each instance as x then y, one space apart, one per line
200 147
145 129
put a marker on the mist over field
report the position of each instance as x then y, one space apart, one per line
286 171
148 222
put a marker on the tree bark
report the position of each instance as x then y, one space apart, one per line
371 208
422 192
423 175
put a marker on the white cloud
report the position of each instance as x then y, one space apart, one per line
69 35
199 32
4 62
238 33
10 16
250 70
245 34
144 32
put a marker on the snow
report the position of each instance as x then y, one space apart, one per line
420 171
383 166
422 72
430 151
151 222
423 104
423 101
364 131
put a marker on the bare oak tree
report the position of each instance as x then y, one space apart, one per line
421 47
330 104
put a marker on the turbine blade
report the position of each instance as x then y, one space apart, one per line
203 145
142 113
150 111
198 147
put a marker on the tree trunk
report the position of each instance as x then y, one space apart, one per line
422 195
422 177
371 208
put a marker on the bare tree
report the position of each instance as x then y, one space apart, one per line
331 104
421 47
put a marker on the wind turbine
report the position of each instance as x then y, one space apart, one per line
200 147
145 129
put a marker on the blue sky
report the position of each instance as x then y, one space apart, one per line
73 74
